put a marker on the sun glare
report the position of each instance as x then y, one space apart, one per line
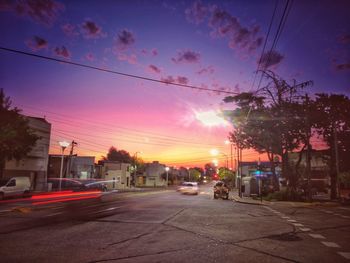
210 118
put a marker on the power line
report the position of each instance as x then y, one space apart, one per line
113 72
110 129
265 42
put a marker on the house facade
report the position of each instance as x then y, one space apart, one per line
116 174
80 167
34 164
153 174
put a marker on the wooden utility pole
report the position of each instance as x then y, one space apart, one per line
308 150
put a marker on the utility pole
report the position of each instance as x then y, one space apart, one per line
239 175
336 161
308 151
74 143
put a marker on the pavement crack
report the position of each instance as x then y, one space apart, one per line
266 253
137 256
126 240
236 244
173 216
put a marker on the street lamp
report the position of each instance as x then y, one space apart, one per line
63 145
231 144
167 170
215 152
189 175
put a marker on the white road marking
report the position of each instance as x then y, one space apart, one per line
305 229
345 254
54 214
285 217
292 220
297 224
345 208
317 236
111 208
4 211
330 244
345 216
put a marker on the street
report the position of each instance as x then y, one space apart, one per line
165 226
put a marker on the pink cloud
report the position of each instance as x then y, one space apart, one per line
131 59
196 13
206 70
41 11
37 43
154 69
89 57
187 56
69 30
62 52
91 30
124 40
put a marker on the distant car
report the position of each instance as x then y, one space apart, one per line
14 187
221 190
189 188
94 184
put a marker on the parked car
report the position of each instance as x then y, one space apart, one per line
77 184
221 190
15 186
66 184
189 188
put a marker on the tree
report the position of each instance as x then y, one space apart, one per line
195 174
226 175
16 137
270 121
333 124
210 170
118 156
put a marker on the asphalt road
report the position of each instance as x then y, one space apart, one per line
165 226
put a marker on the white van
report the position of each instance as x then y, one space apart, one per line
15 186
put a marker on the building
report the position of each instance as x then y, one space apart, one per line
319 169
35 163
153 174
80 167
116 174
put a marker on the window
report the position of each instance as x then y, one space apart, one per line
12 183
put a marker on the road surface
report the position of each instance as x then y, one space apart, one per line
165 226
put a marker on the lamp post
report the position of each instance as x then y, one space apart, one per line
189 175
215 152
231 145
63 145
167 171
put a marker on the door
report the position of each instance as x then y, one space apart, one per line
10 189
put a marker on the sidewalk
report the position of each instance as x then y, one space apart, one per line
257 201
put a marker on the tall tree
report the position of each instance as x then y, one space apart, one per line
333 124
16 137
269 121
118 156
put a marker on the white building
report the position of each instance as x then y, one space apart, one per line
35 163
116 174
153 174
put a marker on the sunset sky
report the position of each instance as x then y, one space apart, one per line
209 44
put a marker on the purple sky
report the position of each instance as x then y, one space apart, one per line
211 44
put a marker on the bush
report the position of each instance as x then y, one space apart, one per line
285 195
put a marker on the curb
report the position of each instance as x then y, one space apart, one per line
238 200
